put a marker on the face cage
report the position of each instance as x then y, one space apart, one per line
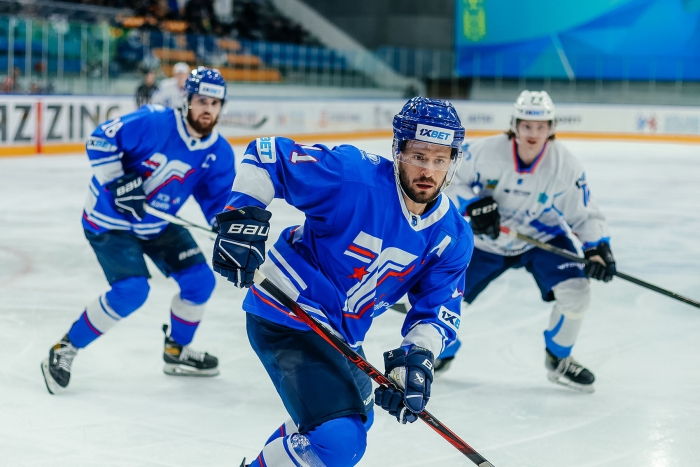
456 162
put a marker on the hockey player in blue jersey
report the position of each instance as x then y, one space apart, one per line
528 181
160 157
374 230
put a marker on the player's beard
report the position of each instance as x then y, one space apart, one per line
415 195
204 130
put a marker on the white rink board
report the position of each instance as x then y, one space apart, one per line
121 410
65 121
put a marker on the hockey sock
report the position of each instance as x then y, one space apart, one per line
184 319
288 428
572 296
104 312
336 443
186 311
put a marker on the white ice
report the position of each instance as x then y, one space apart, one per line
121 410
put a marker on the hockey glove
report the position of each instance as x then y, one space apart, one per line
128 195
239 249
596 270
412 372
485 218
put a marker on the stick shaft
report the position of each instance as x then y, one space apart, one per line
177 220
366 367
621 275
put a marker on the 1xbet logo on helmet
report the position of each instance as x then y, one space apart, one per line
432 134
211 90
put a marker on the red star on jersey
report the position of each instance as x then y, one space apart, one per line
359 273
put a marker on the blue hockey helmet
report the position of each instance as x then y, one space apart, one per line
431 121
206 82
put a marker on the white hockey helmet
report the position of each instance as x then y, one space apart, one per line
533 105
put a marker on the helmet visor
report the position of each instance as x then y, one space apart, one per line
431 156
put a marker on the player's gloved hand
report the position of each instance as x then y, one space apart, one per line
128 195
412 372
485 218
240 246
597 270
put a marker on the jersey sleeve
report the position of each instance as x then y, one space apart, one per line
110 145
579 210
436 300
307 177
212 192
465 185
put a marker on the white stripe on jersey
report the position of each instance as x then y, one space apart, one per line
105 173
254 182
426 335
290 271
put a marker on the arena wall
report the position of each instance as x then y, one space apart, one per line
31 125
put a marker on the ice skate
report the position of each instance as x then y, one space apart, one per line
183 361
56 368
442 365
568 372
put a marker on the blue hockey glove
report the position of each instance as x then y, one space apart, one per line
596 270
412 372
239 249
128 195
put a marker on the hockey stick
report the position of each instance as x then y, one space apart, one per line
178 220
342 347
573 257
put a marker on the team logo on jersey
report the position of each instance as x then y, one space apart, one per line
433 134
381 264
164 172
373 158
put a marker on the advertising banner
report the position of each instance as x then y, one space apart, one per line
49 125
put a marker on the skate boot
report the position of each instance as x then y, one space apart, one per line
568 372
56 368
442 365
183 361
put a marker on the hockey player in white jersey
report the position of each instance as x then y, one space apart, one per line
529 182
373 231
159 157
171 91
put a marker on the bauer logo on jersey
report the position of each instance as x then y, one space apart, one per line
267 151
450 318
211 90
433 134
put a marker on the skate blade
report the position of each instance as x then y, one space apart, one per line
174 369
51 385
585 388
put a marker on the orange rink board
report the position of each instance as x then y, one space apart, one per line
69 148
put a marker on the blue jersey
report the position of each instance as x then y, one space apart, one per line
359 249
154 142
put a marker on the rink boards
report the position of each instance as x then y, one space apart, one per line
32 125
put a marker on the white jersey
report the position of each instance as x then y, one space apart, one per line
539 200
169 94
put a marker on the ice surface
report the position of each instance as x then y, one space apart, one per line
121 410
